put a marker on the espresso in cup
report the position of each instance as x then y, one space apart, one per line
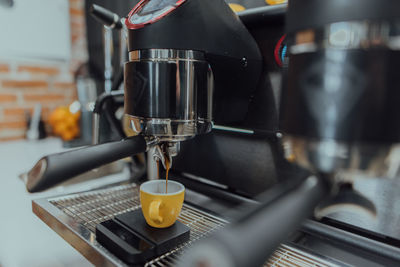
161 209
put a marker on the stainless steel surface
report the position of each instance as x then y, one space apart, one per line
96 129
331 156
349 35
167 130
108 54
123 45
165 55
172 149
87 93
152 165
185 120
158 155
290 256
75 216
384 194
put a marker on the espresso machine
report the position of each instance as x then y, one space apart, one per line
201 92
169 84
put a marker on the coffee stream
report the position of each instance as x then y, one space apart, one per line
167 167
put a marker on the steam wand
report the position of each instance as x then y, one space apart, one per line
255 236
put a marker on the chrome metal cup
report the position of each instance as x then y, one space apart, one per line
168 94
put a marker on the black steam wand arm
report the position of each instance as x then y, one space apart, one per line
253 238
56 168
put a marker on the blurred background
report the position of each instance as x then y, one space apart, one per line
39 55
45 46
51 71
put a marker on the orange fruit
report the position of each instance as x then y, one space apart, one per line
74 130
70 121
58 115
60 128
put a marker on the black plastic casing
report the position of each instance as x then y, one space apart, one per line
129 237
246 163
209 26
306 14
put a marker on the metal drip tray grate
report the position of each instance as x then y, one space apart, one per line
78 214
288 256
92 208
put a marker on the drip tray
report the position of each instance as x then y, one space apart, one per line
74 217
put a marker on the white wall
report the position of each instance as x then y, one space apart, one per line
35 29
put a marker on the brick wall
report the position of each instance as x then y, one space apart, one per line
25 83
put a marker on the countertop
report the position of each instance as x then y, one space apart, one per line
25 239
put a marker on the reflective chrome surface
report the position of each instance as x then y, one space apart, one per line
384 194
152 164
331 156
108 55
349 35
166 130
165 55
174 100
96 129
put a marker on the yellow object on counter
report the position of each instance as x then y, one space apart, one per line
161 209
275 2
64 123
236 7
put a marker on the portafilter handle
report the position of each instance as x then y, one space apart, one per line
56 168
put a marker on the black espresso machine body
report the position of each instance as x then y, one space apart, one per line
242 150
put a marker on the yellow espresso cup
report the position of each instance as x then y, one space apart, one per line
161 209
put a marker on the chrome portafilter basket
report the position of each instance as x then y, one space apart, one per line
168 97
